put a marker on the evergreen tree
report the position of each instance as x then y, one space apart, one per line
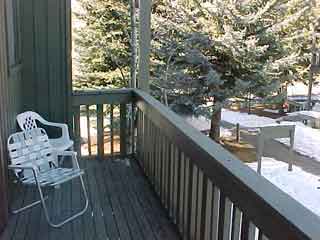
213 51
201 51
102 44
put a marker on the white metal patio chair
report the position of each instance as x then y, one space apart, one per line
28 120
31 157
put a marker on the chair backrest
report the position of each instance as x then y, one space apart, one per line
27 120
31 148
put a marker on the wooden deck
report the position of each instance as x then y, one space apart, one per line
122 206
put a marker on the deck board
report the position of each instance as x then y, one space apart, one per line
122 206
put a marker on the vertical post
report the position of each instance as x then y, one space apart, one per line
3 104
133 129
123 129
313 57
292 131
69 61
144 43
238 132
88 129
100 132
77 133
111 130
133 72
260 146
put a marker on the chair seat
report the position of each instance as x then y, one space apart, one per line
53 176
61 144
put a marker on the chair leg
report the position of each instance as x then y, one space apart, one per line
59 224
16 211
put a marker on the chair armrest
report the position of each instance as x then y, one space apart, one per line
63 126
23 167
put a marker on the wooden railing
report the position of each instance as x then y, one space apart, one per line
208 193
102 122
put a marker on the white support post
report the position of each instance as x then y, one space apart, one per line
144 43
292 131
260 147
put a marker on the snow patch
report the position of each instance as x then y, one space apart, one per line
271 110
245 119
203 124
300 185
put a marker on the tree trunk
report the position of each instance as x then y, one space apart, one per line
133 70
313 58
215 125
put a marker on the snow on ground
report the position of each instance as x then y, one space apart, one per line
203 124
200 122
271 110
299 88
245 119
300 185
307 140
84 127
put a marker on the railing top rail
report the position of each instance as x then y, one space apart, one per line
270 209
105 96
102 91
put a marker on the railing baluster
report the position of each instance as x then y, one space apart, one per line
227 224
111 130
222 204
123 129
203 207
165 171
193 226
159 163
237 224
253 232
181 192
143 139
100 131
199 203
156 161
190 198
208 210
77 127
245 227
150 147
88 129
215 212
153 153
178 215
132 127
147 150
169 163
161 167
186 195
172 176
175 184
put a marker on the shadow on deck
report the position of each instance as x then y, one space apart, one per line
122 206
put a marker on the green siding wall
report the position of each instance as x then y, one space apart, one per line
45 55
35 69
10 90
